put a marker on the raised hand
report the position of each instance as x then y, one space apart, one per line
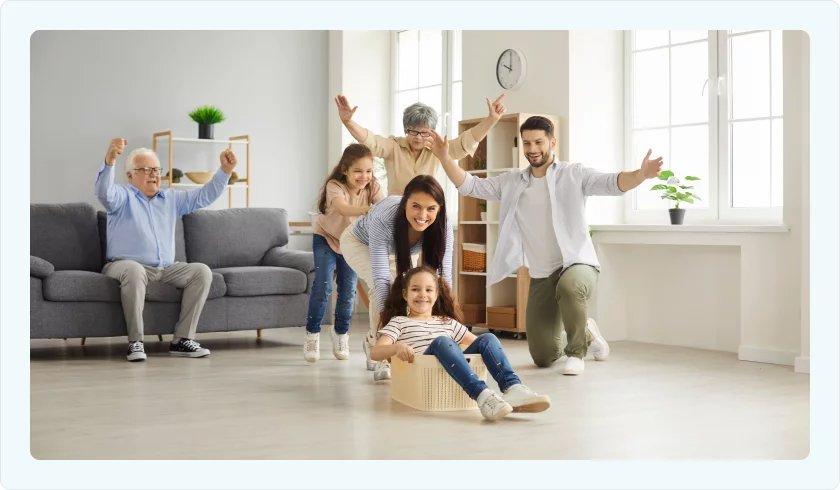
228 159
438 145
345 113
114 150
651 168
496 108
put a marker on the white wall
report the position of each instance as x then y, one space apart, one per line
91 86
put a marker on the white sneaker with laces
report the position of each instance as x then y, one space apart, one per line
492 406
574 366
366 345
382 371
599 347
524 399
340 344
312 347
136 352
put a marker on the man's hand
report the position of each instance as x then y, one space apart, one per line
345 113
114 150
404 352
496 108
438 145
228 159
651 168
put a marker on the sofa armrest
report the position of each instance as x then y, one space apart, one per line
39 267
292 259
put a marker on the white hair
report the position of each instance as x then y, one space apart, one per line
129 161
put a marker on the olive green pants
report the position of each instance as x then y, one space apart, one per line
557 303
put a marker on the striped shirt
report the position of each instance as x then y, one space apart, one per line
376 230
418 334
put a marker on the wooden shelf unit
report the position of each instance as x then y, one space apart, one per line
497 150
244 183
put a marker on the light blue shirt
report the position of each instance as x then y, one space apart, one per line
569 184
143 229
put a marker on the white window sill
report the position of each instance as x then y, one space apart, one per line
693 228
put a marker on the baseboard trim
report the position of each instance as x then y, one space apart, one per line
802 365
767 356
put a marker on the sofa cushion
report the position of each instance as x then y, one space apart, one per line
234 237
93 286
66 236
261 281
180 248
39 267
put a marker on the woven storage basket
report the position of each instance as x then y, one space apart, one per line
425 385
474 257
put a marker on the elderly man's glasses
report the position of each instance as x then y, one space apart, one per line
424 134
148 170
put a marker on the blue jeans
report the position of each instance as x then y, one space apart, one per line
452 359
327 263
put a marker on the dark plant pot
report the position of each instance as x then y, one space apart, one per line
677 215
205 131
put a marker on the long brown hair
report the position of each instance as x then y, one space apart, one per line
352 153
434 237
445 306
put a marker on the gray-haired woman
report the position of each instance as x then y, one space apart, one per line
409 156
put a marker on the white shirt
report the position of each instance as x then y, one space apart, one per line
569 184
419 334
533 215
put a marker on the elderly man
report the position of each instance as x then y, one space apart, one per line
141 242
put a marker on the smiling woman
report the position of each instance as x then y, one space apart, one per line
399 226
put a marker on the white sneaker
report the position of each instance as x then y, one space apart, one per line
524 399
382 371
369 363
492 406
136 352
312 347
340 344
574 366
599 347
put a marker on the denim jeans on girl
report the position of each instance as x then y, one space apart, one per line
452 359
327 263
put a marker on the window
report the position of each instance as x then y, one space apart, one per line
427 69
710 103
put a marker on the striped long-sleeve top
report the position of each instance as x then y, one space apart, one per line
376 230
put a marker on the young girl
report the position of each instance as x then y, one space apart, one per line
349 192
423 318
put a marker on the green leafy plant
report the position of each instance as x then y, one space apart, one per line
207 114
674 190
483 206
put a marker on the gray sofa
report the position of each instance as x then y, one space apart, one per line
257 282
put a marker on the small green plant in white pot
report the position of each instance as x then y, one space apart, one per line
675 191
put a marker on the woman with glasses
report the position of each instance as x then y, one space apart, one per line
409 156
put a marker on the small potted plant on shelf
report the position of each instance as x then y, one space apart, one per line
483 213
206 116
675 191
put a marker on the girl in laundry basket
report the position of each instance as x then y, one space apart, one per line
349 192
422 318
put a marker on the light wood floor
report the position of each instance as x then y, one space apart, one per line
260 400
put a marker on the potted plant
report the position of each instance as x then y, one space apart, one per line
483 213
674 191
206 116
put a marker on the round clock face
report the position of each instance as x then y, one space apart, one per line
510 69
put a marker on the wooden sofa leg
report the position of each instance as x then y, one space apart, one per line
83 340
160 338
259 333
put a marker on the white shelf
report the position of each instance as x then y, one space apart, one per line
197 140
479 222
202 185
